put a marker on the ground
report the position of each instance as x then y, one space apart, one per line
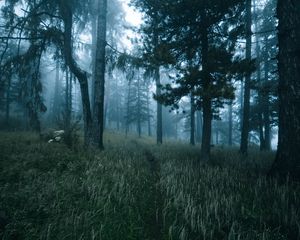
137 190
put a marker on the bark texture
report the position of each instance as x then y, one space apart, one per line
207 102
67 16
99 86
246 109
192 136
287 160
159 131
230 124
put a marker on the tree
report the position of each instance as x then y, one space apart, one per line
152 33
287 160
61 21
201 38
246 104
230 123
137 103
263 114
98 110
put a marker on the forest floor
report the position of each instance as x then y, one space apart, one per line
137 190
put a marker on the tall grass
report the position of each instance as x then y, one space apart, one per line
48 191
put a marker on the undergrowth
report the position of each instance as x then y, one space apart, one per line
48 191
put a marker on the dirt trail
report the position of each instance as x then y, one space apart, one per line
154 220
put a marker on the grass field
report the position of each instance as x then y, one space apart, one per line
137 190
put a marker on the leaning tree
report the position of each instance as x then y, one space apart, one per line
50 24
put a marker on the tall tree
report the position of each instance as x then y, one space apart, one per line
152 32
137 103
61 20
100 75
195 33
247 89
287 158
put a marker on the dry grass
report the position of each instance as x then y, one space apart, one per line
50 192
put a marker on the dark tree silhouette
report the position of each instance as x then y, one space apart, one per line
287 159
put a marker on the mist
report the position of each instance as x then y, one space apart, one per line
157 119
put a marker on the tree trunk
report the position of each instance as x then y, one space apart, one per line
67 15
118 104
199 126
94 42
139 124
207 104
287 159
241 103
265 101
98 112
262 141
7 108
206 137
106 100
230 124
246 112
56 96
259 82
67 104
127 109
70 94
159 130
192 136
148 114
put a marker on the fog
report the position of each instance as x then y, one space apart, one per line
125 38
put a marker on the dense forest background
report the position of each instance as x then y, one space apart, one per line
175 119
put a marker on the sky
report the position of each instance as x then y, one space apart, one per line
133 17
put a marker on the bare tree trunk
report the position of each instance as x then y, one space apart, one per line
207 104
148 113
139 127
127 109
265 101
246 111
8 93
67 102
99 88
230 124
287 159
67 15
94 42
159 130
199 126
206 137
56 96
70 94
259 83
118 105
192 136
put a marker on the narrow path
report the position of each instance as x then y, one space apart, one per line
154 220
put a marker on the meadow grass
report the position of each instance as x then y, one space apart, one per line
137 190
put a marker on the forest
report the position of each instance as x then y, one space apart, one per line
150 119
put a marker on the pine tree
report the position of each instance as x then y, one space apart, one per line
287 159
247 87
194 36
137 103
